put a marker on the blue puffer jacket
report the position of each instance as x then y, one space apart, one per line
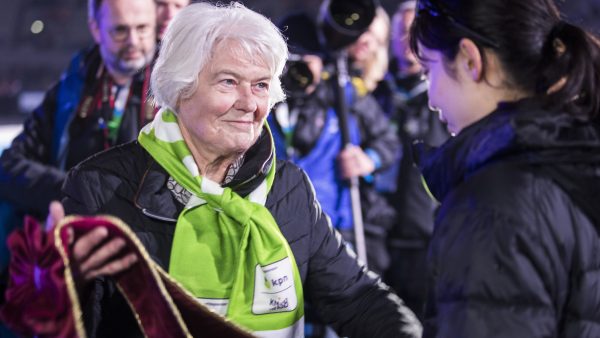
320 164
314 143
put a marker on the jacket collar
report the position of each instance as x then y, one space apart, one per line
521 132
153 197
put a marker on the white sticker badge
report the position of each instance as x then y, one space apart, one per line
274 289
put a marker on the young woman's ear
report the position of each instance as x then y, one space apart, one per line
470 59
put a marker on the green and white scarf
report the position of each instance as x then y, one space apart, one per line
228 251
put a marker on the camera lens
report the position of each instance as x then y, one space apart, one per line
351 16
296 78
343 21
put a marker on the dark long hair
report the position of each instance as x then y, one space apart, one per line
536 48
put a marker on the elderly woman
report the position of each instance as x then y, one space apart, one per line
203 192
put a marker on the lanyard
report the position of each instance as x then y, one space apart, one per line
110 102
119 96
287 119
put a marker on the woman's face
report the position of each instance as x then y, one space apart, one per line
447 92
225 115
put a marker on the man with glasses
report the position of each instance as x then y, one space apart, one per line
125 34
99 102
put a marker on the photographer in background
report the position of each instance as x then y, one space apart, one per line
369 54
307 132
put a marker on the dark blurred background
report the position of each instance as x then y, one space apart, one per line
38 37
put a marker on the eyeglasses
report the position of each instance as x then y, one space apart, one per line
438 11
121 33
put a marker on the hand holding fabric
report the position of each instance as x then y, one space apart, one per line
43 298
91 256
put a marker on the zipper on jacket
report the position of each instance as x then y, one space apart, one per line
160 218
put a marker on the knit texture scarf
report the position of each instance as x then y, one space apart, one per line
227 250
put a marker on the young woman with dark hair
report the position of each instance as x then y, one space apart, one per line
516 246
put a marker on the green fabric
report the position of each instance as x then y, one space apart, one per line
113 128
226 246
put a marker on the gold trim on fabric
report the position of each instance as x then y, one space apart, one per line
72 290
191 297
135 314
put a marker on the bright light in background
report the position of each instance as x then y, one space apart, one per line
7 133
28 100
37 27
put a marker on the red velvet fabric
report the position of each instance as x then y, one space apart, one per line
199 321
38 302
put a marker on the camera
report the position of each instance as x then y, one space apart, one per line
341 22
297 77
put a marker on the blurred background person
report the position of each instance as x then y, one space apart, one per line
120 59
403 95
307 132
515 247
100 101
369 54
165 11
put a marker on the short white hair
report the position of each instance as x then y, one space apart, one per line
191 38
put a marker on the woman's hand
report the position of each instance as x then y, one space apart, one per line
92 255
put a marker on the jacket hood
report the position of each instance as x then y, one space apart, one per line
556 144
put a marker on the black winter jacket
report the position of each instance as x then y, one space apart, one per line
516 247
405 100
128 183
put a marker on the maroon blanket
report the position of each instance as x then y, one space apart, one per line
42 298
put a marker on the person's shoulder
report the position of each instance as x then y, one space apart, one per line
514 190
288 174
80 71
112 175
499 204
121 160
492 182
289 179
366 106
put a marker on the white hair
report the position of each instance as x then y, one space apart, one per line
191 38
